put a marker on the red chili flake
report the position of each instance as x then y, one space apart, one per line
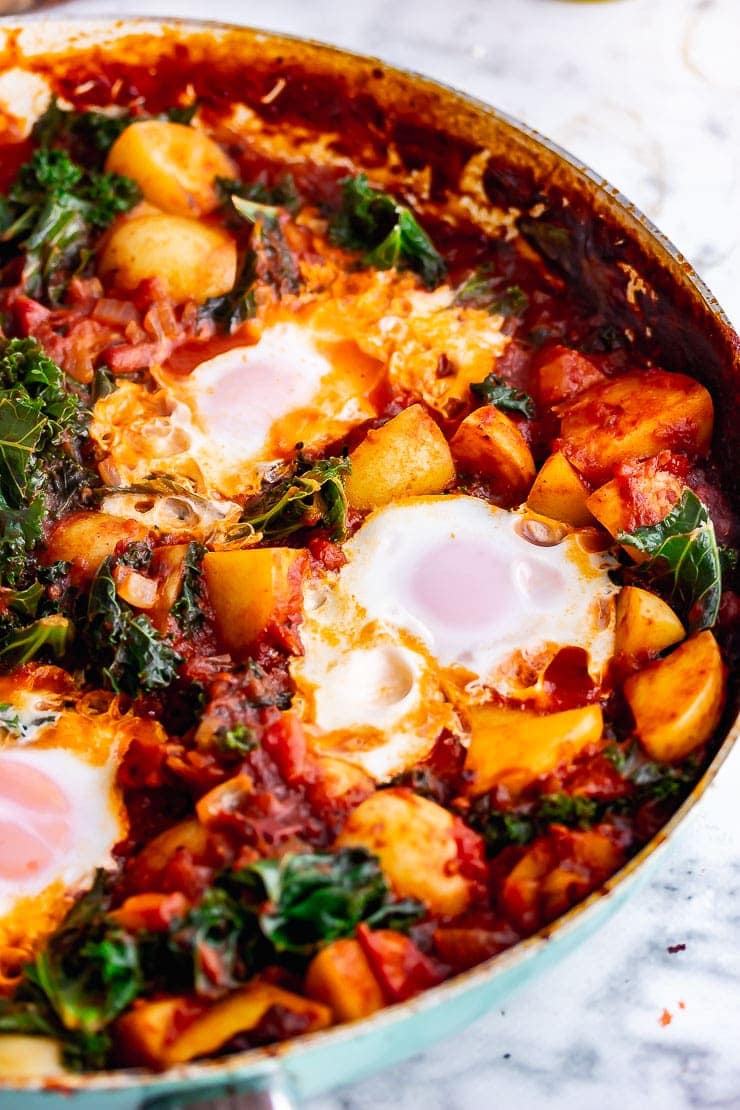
673 948
665 1018
682 1005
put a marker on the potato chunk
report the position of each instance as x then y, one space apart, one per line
643 495
677 702
563 373
84 539
28 1057
407 457
340 977
252 589
192 260
175 165
415 842
172 1030
488 442
645 624
560 493
512 747
635 416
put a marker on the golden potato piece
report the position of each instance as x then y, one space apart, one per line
250 589
84 539
488 442
645 624
407 457
635 416
162 1033
677 702
340 977
23 1057
414 841
563 372
192 260
513 747
560 493
174 165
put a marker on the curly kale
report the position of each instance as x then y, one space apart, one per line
306 493
385 231
128 653
53 213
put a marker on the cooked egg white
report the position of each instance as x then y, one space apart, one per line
225 423
61 812
443 601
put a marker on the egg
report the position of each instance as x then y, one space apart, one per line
225 423
61 813
443 603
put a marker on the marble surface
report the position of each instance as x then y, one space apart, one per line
647 92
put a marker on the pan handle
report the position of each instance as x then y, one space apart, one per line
272 1094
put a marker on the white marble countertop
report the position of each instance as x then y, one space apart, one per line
647 92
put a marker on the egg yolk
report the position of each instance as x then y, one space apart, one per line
35 820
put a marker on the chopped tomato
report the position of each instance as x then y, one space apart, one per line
399 966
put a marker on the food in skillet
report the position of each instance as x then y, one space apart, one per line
359 586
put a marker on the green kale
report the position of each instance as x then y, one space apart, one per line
283 194
18 645
87 974
86 132
182 113
187 609
652 782
553 242
238 740
304 901
41 427
233 308
127 650
494 390
501 828
54 211
385 231
89 135
482 290
683 558
273 261
305 493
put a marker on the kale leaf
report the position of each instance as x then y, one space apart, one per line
553 242
53 212
283 194
306 493
306 900
274 262
494 390
683 557
239 304
89 135
653 782
481 290
89 970
41 428
387 232
127 650
20 644
187 609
